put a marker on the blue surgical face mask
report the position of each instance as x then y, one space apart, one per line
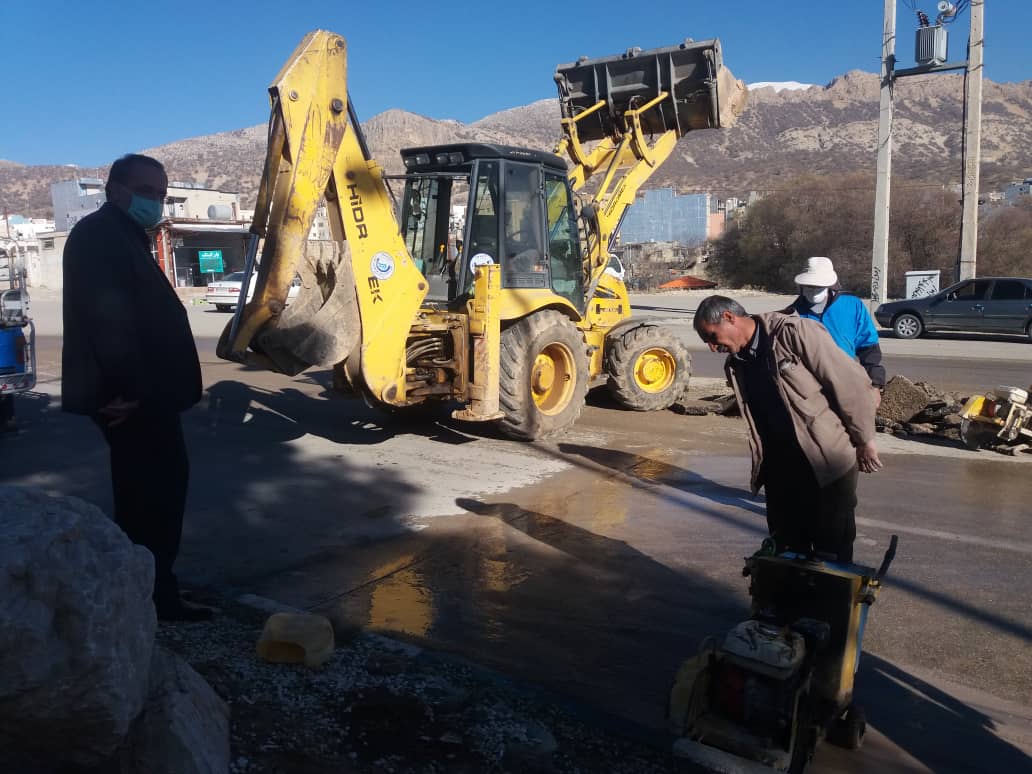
146 212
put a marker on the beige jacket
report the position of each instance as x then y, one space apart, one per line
827 394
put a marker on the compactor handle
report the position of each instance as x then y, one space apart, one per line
890 554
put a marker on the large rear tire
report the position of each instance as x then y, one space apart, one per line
648 367
543 375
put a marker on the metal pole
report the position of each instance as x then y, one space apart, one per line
880 251
972 145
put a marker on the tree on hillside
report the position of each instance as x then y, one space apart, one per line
924 234
1005 241
769 243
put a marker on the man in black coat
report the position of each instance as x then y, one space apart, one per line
130 364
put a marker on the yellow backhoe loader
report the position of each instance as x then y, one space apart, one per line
535 315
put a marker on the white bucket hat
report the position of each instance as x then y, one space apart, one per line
819 273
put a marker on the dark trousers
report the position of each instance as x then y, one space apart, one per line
149 476
6 408
805 517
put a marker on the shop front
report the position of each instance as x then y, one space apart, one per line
192 253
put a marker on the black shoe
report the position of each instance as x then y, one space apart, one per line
184 611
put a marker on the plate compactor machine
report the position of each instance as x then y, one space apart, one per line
765 695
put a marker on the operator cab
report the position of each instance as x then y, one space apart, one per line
519 214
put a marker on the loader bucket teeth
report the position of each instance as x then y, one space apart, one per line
701 92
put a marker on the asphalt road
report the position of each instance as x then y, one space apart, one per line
594 563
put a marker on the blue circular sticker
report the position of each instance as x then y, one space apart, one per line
480 259
382 266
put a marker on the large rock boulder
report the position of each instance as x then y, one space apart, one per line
184 728
76 630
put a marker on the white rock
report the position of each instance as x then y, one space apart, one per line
76 628
184 728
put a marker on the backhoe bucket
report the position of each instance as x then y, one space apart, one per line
701 92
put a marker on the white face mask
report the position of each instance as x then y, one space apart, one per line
814 295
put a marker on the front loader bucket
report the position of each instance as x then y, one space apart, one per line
701 92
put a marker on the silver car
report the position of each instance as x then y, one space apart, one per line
984 305
224 293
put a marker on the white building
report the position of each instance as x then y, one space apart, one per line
1015 191
75 199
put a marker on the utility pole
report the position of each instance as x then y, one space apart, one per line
930 53
972 144
880 251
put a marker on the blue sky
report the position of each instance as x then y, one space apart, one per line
88 81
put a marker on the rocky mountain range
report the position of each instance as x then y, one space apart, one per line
783 134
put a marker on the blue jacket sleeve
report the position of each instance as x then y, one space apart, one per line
866 333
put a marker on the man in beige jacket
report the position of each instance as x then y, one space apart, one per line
810 412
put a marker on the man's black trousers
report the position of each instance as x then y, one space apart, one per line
805 517
149 476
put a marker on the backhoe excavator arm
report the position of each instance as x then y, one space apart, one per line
361 293
637 106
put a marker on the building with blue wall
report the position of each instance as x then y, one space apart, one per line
661 215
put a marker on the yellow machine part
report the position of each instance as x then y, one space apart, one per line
485 334
315 151
361 305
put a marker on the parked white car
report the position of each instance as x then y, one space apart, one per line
224 293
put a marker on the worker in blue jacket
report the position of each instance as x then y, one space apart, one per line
843 315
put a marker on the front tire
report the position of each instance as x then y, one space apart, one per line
543 376
976 435
908 326
222 307
648 368
849 730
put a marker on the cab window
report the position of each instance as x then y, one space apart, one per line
564 258
523 264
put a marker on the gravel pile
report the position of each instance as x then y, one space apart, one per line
379 705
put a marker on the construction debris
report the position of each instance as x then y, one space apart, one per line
296 638
908 410
902 400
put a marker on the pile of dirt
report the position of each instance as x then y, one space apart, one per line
919 408
381 705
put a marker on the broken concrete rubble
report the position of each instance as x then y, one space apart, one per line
908 410
902 400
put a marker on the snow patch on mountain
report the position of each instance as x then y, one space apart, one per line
781 85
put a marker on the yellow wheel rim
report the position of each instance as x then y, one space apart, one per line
553 378
654 370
